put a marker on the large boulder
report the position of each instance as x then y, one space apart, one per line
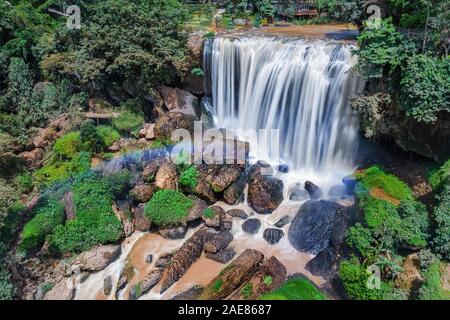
183 258
265 194
177 100
98 257
233 275
251 226
258 169
297 193
270 275
33 157
410 279
203 189
169 122
167 177
312 228
175 233
149 281
323 262
198 207
216 219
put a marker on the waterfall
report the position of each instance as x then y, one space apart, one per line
300 87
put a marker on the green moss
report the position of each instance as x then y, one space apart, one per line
295 289
247 290
217 285
168 207
108 135
374 177
268 280
188 177
379 212
68 145
46 219
209 213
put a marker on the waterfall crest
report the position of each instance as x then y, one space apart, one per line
300 87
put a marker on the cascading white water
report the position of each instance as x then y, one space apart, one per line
298 86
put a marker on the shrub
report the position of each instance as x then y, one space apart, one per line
46 219
118 182
129 122
362 239
432 287
95 222
354 277
441 215
439 176
188 177
426 259
168 207
90 137
24 182
68 145
414 226
197 72
6 288
295 289
108 135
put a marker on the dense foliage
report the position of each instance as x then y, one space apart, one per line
168 207
295 289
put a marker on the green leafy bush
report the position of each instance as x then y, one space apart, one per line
24 182
95 222
168 207
432 287
441 216
354 276
68 145
188 177
46 219
108 135
295 289
197 72
90 137
362 239
415 224
438 176
425 87
129 122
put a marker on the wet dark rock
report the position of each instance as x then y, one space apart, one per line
233 193
258 169
265 194
233 275
173 233
251 226
283 168
147 283
216 220
107 285
214 242
283 221
190 294
239 213
224 177
183 258
272 235
297 193
163 261
350 182
312 228
272 268
323 262
314 191
197 209
223 256
149 258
